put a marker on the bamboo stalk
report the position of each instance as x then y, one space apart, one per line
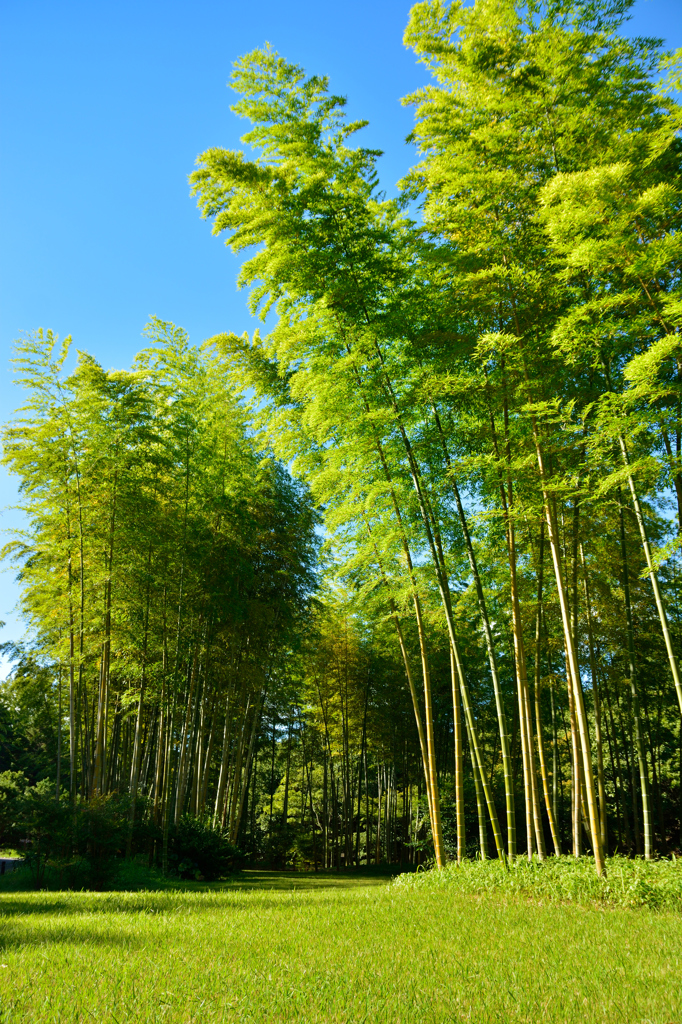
639 746
459 762
597 707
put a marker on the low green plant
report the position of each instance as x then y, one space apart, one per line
202 851
33 821
66 847
83 847
628 883
12 785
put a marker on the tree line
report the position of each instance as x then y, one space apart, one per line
164 567
477 386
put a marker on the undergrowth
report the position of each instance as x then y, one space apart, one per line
628 883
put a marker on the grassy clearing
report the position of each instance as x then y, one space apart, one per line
628 883
133 877
332 949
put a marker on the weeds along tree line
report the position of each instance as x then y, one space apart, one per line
476 388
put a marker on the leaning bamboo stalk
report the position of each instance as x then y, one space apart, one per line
525 736
646 546
549 804
653 577
523 739
597 706
572 662
415 702
519 662
480 800
535 796
639 745
533 822
432 777
490 645
476 752
538 717
555 751
459 762
443 587
575 764
446 602
436 827
572 659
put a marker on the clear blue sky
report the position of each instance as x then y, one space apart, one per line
105 106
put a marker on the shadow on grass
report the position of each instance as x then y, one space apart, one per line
21 884
65 934
227 896
147 904
303 880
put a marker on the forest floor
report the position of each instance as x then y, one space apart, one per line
332 949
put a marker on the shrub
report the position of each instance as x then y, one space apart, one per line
83 847
71 847
33 821
44 827
202 851
12 787
100 831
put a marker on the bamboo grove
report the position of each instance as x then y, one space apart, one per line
477 386
164 569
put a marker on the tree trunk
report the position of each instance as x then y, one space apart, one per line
572 663
459 762
663 618
480 805
488 633
639 745
538 727
597 708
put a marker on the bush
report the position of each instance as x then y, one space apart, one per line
83 847
628 883
33 821
73 848
12 787
278 847
101 832
201 851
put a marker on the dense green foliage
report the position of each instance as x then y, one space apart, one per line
83 846
476 387
164 567
29 718
628 883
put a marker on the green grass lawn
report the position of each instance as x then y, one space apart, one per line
284 947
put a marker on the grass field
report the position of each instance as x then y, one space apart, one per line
273 947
